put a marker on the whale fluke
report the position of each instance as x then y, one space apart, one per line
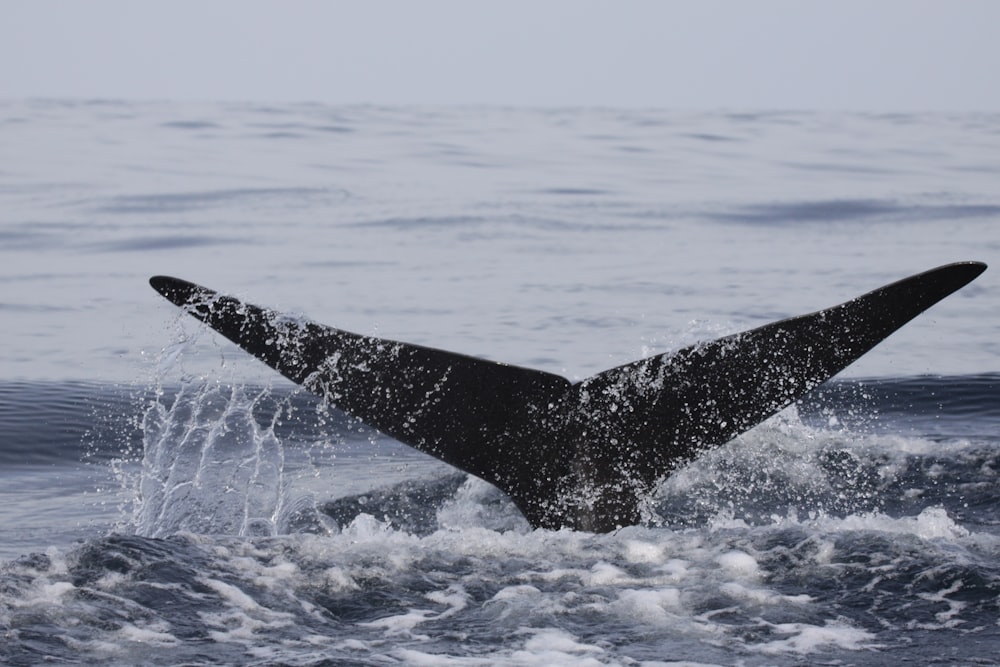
578 455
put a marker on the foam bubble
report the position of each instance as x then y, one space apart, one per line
421 659
516 593
54 591
455 598
232 594
337 579
804 638
761 595
636 551
652 606
603 573
151 634
401 624
933 523
739 564
559 640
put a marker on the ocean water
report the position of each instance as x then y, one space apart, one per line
166 500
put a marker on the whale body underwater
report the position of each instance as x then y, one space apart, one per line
578 455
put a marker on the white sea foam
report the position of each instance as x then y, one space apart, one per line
933 523
401 624
339 580
739 563
232 594
652 606
244 619
804 639
156 633
455 598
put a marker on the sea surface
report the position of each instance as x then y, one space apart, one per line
165 500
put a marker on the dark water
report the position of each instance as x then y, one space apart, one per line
167 501
850 538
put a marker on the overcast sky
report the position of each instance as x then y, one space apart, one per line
883 55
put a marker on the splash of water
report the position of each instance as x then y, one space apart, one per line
208 465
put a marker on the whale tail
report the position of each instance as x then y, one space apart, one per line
579 455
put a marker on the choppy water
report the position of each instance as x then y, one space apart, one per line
167 501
